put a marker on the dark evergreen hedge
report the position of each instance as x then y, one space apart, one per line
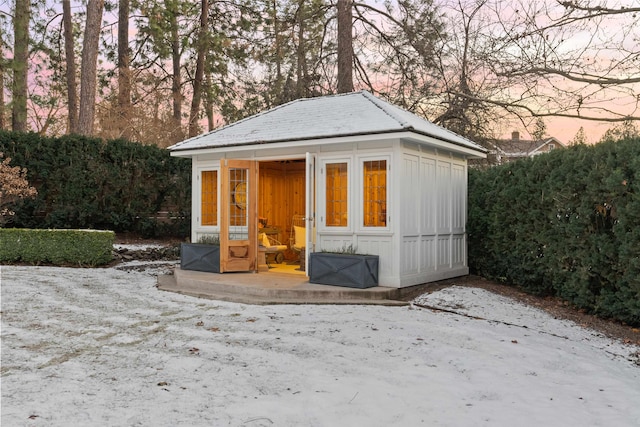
90 183
565 223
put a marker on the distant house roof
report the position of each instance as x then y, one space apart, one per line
518 148
351 114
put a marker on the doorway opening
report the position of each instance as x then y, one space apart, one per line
281 199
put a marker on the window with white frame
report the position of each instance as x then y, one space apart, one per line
336 194
374 193
209 198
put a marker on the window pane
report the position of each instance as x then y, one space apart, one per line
209 207
375 193
337 194
239 195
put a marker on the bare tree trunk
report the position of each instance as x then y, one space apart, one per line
88 67
345 46
176 80
20 68
208 104
278 47
2 70
197 81
72 94
124 71
300 52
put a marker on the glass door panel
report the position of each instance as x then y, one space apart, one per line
238 247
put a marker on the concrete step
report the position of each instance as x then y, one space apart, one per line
271 288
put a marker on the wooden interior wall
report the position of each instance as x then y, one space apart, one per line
281 194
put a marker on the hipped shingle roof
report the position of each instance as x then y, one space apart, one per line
356 113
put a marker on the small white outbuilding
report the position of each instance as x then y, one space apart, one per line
359 171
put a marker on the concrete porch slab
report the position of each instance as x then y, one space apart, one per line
271 288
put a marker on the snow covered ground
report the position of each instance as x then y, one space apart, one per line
104 347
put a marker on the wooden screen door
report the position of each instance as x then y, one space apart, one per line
238 215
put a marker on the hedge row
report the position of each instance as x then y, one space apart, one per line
565 223
89 183
59 247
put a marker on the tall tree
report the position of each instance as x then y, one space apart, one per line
295 36
580 138
201 49
273 51
278 41
20 64
397 50
124 70
539 129
48 87
209 102
88 68
164 30
69 46
2 71
176 77
345 45
624 130
302 71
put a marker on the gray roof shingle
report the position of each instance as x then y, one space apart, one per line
356 113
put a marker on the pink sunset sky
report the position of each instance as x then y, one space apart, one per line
564 129
605 46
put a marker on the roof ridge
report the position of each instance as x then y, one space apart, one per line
238 122
382 104
256 115
405 124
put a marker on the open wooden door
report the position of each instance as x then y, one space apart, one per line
238 215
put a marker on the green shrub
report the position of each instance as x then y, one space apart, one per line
210 239
565 223
90 183
58 247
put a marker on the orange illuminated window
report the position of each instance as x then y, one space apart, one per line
209 207
337 193
375 193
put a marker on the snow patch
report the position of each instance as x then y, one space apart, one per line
97 347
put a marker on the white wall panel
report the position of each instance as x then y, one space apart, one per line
333 242
458 251
410 255
444 196
428 255
444 252
410 188
458 198
381 246
428 195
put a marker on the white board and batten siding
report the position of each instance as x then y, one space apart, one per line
432 235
